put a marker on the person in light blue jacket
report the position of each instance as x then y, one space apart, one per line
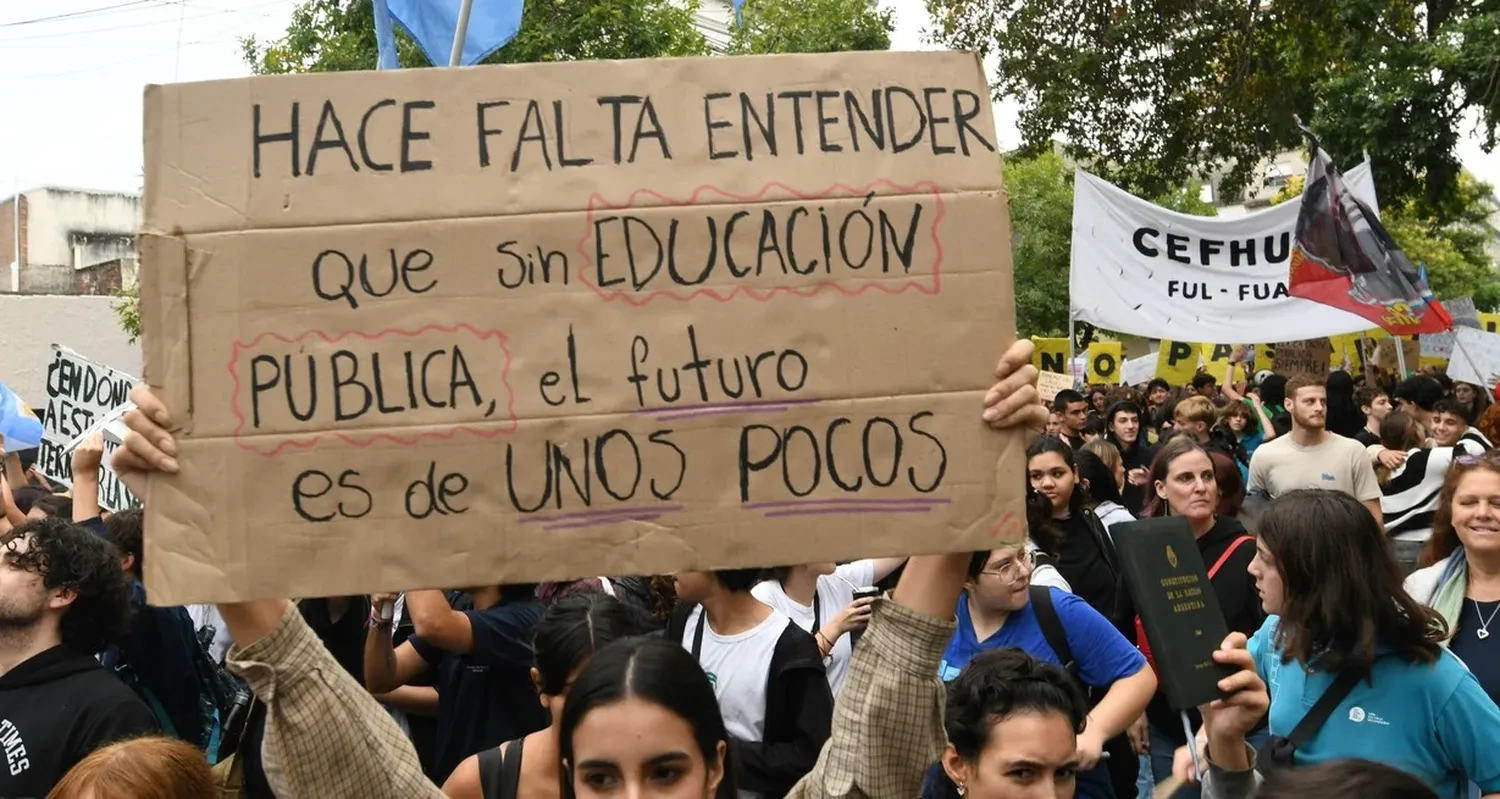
1329 581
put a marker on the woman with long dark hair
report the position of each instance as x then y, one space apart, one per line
1341 620
570 631
1063 527
642 720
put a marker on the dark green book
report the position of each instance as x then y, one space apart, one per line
1177 606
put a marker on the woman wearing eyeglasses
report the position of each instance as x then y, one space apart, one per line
1461 578
999 608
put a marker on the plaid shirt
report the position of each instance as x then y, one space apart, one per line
326 737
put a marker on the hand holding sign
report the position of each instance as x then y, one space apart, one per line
1012 402
88 455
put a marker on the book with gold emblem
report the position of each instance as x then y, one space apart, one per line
1177 604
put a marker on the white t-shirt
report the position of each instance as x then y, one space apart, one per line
208 615
835 592
738 667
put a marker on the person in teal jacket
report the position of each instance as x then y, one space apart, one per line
1330 583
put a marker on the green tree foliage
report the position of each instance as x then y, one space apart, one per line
812 26
1040 188
127 306
1150 93
336 35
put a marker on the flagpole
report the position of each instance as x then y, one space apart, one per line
15 265
1400 356
1068 367
460 33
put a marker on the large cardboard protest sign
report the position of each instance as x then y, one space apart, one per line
81 396
460 327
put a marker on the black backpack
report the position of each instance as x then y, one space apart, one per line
223 701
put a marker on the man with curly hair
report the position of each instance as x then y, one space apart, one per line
63 598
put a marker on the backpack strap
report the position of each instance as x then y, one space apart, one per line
1342 686
1103 541
1224 558
500 770
1052 627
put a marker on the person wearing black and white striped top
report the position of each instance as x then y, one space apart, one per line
1409 499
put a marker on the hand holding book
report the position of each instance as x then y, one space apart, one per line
1229 719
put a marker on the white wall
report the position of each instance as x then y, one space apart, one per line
85 324
53 214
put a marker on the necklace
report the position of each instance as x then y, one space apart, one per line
1484 624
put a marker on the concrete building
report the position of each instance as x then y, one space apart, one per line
715 19
68 241
1268 177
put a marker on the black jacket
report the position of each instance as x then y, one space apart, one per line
799 713
1136 456
1238 601
55 708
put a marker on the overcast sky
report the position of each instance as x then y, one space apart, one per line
72 72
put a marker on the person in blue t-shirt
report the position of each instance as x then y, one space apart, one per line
996 611
482 660
1326 573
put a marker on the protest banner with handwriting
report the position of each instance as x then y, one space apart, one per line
435 328
1308 357
81 395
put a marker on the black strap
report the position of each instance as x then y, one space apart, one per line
1103 541
698 633
1279 752
1052 627
500 775
1318 716
817 611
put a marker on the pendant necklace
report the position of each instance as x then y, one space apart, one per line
1484 624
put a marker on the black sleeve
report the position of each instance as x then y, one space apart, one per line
114 721
772 767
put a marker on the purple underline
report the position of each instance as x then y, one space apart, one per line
798 503
607 520
672 417
728 405
849 510
585 514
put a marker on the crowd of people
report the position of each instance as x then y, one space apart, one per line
1352 532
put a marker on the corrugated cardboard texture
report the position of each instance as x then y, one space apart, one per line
527 323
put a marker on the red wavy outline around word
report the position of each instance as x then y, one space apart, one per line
354 439
762 295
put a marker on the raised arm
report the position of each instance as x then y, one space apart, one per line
324 731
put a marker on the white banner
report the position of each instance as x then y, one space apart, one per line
1139 370
1475 358
1145 270
84 397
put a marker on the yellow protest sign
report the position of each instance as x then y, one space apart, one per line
1216 358
1265 356
1105 358
1051 355
1177 362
